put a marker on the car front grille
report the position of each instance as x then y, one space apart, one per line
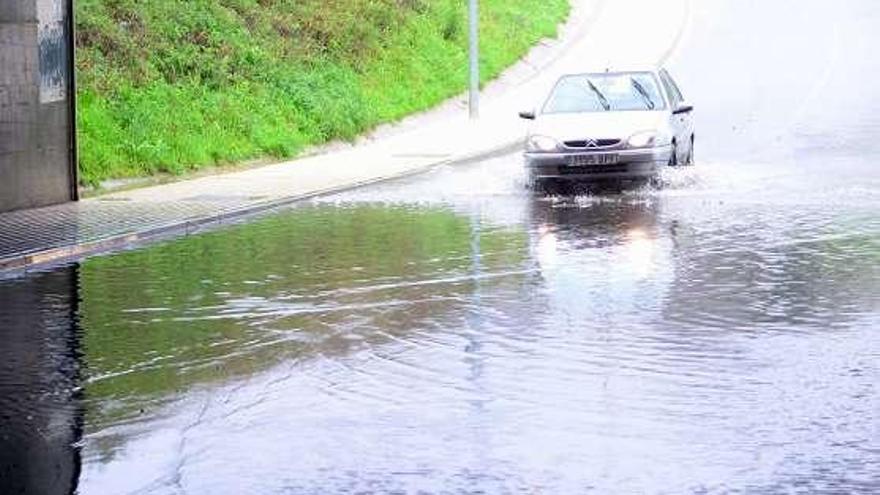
592 143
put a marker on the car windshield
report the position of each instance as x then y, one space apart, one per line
606 93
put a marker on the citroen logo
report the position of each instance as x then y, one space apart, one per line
592 143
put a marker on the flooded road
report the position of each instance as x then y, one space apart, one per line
457 333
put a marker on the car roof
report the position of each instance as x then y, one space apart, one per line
616 70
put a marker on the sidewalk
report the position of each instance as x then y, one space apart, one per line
442 136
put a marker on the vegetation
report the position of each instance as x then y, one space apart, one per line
174 85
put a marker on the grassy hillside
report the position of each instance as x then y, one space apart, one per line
175 85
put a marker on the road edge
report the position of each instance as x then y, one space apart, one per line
36 261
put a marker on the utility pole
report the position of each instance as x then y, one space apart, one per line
474 21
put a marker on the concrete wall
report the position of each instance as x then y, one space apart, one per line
36 142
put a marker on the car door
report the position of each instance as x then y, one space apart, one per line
682 118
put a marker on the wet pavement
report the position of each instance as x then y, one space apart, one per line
457 333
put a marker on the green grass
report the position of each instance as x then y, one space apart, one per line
171 86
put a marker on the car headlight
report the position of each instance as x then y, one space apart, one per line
542 143
648 139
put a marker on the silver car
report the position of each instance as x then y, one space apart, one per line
610 125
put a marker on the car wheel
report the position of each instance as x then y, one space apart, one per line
673 160
691 159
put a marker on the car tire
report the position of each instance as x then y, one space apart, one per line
673 160
691 161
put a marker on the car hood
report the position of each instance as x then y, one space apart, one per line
598 125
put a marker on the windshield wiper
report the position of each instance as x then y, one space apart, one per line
645 96
602 99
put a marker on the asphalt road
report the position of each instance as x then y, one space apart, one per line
457 333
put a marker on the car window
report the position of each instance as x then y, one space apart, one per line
572 95
606 92
671 88
674 86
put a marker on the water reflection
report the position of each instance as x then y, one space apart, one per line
775 268
521 343
313 283
40 389
602 258
628 226
598 341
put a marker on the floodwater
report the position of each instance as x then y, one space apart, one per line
457 333
715 335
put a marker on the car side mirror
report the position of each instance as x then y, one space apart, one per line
683 109
527 115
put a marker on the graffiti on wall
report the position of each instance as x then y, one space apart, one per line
54 52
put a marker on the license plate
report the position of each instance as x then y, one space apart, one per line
593 159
